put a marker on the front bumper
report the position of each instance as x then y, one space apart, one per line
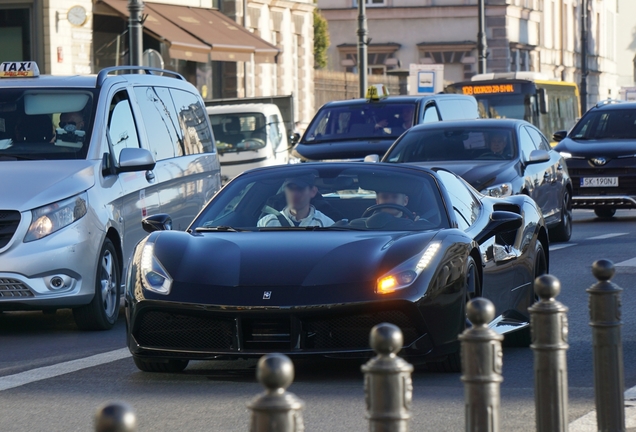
621 197
27 270
158 329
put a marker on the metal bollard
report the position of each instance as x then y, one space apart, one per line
387 382
276 410
481 367
605 320
115 417
549 326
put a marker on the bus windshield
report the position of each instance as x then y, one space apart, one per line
516 106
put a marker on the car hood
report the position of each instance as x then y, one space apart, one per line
285 258
31 184
353 149
480 174
597 148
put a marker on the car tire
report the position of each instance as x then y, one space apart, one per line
523 337
169 366
453 363
102 312
604 212
563 231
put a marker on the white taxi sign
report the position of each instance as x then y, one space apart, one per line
19 69
377 92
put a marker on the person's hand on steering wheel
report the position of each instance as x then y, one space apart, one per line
405 211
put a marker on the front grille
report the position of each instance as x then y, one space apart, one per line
9 221
352 331
266 333
185 332
13 288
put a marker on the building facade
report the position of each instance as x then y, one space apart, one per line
626 43
225 52
522 35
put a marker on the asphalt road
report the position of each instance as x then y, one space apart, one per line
212 396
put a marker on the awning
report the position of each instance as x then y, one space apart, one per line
228 40
182 45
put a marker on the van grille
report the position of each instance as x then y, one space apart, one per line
13 288
9 221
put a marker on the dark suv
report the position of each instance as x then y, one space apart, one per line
600 153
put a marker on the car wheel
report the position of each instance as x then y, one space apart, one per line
452 363
169 366
604 212
563 231
523 338
102 312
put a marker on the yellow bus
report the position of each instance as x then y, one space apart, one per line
549 105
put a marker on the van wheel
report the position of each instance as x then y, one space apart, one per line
102 312
604 212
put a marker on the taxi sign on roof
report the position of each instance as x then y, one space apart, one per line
377 92
19 69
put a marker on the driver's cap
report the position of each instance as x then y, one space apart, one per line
302 181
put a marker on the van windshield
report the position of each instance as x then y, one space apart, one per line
40 124
239 132
370 120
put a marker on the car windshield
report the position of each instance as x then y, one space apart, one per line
327 198
606 124
38 124
454 144
238 132
358 121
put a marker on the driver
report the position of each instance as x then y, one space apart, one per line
392 198
299 212
72 121
498 144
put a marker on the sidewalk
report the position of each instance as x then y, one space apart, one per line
587 423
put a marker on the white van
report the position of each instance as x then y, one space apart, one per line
248 136
83 160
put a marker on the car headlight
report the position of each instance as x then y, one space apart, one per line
404 275
154 277
498 191
53 217
565 155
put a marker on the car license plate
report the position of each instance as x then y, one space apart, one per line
599 182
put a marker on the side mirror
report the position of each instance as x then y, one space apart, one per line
135 159
294 138
543 101
538 156
500 222
372 158
158 222
559 136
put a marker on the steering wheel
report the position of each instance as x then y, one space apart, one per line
490 156
404 210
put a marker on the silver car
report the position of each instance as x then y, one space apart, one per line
83 160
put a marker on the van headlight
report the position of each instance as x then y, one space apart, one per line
154 277
53 217
498 191
405 274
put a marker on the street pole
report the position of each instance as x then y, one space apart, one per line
135 29
584 72
362 46
482 45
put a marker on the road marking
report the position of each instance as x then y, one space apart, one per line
607 236
561 246
46 372
628 263
587 423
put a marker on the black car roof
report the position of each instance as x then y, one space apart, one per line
327 165
392 99
473 123
614 105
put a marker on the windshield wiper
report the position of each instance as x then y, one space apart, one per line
222 228
310 228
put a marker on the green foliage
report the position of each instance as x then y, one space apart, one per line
321 40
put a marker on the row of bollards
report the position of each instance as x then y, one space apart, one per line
387 377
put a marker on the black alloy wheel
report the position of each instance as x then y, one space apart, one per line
563 231
605 212
452 363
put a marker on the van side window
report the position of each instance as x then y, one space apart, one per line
430 115
122 130
193 120
160 121
275 127
451 108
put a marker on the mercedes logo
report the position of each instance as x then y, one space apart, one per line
599 161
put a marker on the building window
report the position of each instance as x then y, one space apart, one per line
371 3
380 58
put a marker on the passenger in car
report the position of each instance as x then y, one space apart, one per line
298 212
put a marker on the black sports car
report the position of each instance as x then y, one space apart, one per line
305 259
499 157
600 152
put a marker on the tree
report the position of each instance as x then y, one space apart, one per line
321 40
